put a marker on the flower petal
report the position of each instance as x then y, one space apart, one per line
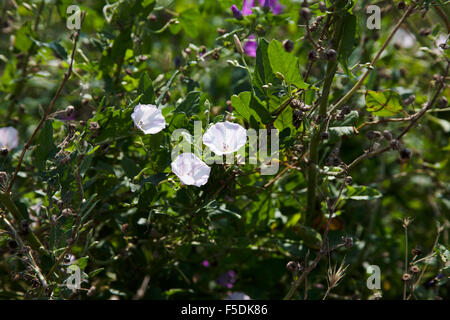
190 169
225 137
148 118
9 138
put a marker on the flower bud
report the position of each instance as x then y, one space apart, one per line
236 12
69 110
67 212
324 135
387 135
395 144
442 102
405 154
238 44
406 277
288 45
305 13
322 6
414 269
313 55
348 180
331 54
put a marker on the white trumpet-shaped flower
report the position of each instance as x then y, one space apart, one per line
148 118
190 169
9 138
225 137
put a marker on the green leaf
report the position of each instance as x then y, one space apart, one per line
383 103
241 104
348 40
311 237
361 193
190 104
286 63
45 144
263 73
340 131
247 105
146 89
22 40
189 22
95 272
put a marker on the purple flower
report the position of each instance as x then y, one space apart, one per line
227 279
273 5
247 6
236 12
250 46
205 263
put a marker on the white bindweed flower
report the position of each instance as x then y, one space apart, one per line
225 137
148 118
9 138
190 169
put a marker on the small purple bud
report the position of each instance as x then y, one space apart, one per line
236 12
205 263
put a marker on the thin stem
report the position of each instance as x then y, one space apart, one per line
315 141
377 56
48 110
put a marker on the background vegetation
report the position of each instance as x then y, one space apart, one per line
132 225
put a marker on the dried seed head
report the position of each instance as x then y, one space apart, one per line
395 144
70 110
297 118
221 31
305 13
291 266
417 251
295 103
331 54
13 245
94 126
406 277
409 100
387 135
288 45
372 135
348 242
401 5
322 6
414 269
405 154
125 227
346 110
313 55
24 227
442 102
215 55
67 212
324 135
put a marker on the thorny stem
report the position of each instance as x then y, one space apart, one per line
370 67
